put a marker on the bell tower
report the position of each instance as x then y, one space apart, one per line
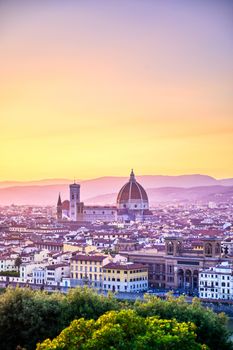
74 200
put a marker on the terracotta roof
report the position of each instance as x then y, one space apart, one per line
80 257
132 190
66 205
53 267
124 266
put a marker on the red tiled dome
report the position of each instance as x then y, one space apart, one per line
132 190
65 205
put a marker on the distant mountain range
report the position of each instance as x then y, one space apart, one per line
203 194
104 190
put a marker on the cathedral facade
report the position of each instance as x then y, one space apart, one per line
131 205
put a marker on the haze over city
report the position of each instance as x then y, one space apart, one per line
116 174
93 88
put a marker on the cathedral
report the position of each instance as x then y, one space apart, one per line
131 205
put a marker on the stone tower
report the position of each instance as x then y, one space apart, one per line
74 200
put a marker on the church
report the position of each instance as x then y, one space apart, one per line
131 205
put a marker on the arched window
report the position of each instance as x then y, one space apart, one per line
217 248
208 249
170 247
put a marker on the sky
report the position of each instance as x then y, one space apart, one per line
93 88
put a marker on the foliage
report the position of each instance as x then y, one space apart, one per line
27 317
125 330
18 262
36 315
211 327
9 273
87 303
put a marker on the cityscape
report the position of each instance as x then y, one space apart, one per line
116 175
128 247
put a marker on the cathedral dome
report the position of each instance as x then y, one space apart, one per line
132 195
66 205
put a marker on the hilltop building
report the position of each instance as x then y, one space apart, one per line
132 205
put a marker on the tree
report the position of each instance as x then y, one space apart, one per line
125 330
27 317
211 327
86 302
18 262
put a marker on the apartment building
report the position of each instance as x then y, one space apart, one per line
216 282
87 269
125 277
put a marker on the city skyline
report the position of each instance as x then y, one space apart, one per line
90 89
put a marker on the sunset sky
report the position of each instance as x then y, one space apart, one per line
91 88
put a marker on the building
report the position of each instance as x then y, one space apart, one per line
39 275
55 273
87 270
7 263
216 282
131 205
51 274
125 277
177 266
132 201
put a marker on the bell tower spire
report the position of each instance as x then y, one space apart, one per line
59 208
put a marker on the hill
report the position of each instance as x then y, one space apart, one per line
104 190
